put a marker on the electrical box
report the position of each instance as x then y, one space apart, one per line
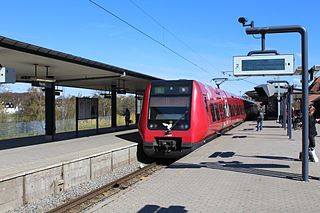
7 75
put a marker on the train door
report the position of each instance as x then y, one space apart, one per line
227 112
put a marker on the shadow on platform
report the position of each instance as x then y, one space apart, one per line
271 157
247 129
236 166
133 137
158 209
41 139
239 136
222 154
272 127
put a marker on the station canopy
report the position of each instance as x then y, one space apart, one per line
37 64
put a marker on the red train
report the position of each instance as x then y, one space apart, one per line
179 116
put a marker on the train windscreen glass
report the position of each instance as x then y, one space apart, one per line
169 107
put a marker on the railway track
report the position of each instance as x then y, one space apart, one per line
86 201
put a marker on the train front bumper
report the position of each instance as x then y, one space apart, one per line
156 150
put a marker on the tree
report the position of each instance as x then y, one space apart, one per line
33 107
124 102
2 112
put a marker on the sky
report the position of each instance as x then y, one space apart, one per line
206 33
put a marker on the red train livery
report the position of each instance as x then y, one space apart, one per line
179 116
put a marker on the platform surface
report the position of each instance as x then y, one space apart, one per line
241 171
15 161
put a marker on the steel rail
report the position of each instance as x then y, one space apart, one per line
103 189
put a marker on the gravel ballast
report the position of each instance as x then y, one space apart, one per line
52 201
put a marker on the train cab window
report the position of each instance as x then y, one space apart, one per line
216 109
212 112
170 103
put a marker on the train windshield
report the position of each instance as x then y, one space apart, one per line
169 106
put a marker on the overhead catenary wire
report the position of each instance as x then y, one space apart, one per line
150 37
171 33
237 79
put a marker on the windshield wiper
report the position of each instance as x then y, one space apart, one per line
169 127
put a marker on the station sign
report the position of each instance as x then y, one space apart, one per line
263 65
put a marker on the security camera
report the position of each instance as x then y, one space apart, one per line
242 20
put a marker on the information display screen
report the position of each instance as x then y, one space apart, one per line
171 90
265 64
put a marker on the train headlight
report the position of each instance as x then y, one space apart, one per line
151 125
186 126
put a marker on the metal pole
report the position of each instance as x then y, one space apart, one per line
284 111
77 116
97 119
305 90
278 119
289 112
50 110
113 106
305 96
263 38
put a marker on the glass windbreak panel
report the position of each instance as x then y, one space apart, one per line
169 111
22 114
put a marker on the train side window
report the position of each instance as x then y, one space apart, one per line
230 108
206 103
222 111
212 112
217 111
227 110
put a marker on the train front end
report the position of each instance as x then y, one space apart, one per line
165 123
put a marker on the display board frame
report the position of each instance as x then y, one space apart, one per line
87 108
263 65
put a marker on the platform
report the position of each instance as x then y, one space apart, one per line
32 172
241 171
